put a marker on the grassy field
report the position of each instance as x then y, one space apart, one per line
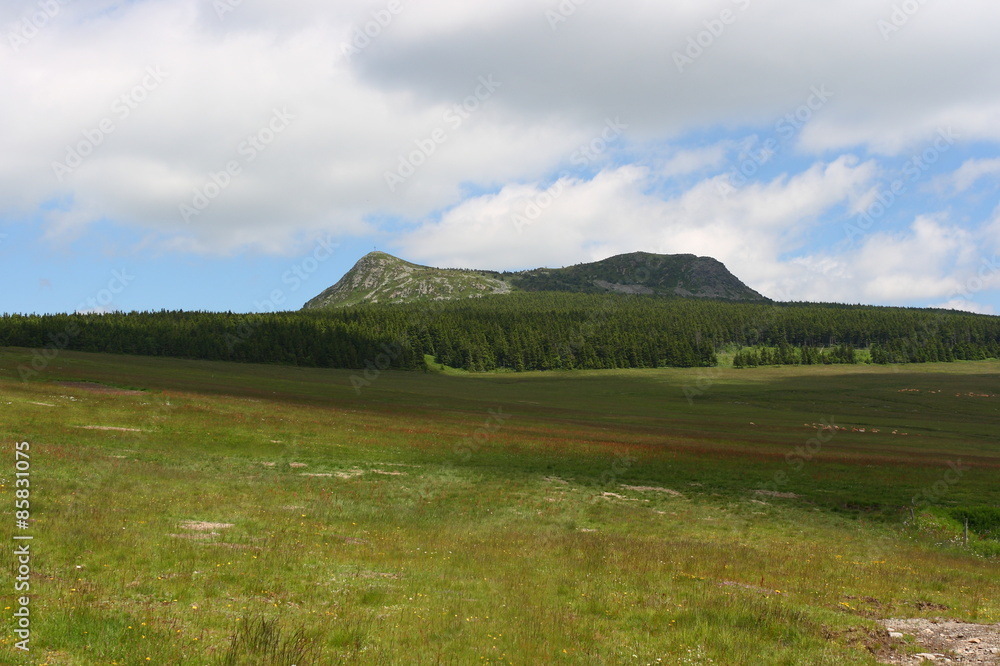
211 513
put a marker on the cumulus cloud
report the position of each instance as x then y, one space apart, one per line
934 258
162 114
756 67
973 170
685 162
575 219
967 306
113 143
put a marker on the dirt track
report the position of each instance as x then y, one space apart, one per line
947 641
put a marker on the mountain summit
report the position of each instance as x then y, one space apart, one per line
382 278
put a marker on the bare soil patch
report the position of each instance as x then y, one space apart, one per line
946 641
379 574
653 489
746 586
775 493
198 536
348 475
234 546
614 496
94 387
202 526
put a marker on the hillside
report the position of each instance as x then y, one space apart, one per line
562 518
382 278
542 330
683 275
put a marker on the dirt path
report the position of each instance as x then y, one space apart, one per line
99 388
947 641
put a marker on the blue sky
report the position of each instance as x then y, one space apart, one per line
243 154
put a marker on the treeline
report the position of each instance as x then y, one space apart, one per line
526 331
786 354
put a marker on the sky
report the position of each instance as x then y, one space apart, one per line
242 155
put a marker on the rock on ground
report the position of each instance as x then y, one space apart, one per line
947 641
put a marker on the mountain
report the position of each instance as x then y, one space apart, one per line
642 273
382 278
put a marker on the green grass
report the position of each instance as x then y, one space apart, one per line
434 366
490 518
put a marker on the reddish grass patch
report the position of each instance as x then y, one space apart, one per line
93 387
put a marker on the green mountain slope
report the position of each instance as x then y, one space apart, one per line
542 330
642 273
381 278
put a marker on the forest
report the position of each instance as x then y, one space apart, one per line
526 331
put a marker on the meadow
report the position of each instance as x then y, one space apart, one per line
197 512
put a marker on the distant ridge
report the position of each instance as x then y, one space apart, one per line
382 278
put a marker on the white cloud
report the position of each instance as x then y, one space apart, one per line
559 82
967 306
762 66
972 170
933 259
685 162
574 219
223 81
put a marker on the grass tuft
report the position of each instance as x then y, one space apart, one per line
260 641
